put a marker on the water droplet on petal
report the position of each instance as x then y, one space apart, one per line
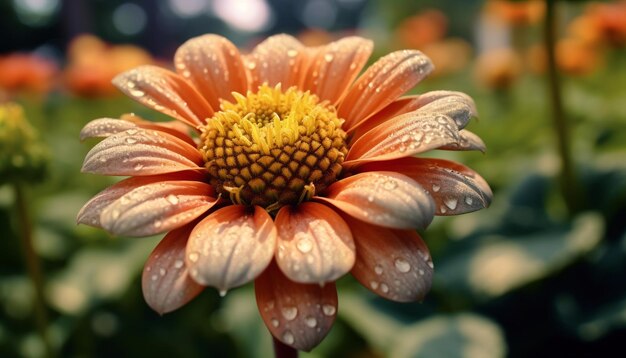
178 264
292 53
275 322
436 188
374 285
162 271
158 223
288 337
451 203
138 167
223 292
131 140
193 257
136 92
172 199
155 277
115 214
469 200
329 310
384 288
328 57
402 265
378 269
310 321
304 245
290 313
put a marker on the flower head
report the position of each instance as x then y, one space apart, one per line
285 168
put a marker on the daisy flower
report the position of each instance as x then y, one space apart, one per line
286 167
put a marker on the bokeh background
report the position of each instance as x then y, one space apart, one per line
539 273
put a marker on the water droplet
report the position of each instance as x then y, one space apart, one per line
223 292
421 272
288 337
290 313
292 53
430 264
158 223
137 92
154 277
138 167
162 271
172 199
451 203
115 214
275 322
131 140
384 288
310 321
469 200
329 310
328 57
304 245
178 264
374 285
390 184
436 188
378 269
402 265
442 209
251 65
193 257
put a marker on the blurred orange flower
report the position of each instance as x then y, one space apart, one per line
286 167
451 55
421 29
498 68
27 72
92 64
573 57
518 13
609 21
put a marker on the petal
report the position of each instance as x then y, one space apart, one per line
299 315
455 188
335 66
165 281
382 198
231 247
279 59
106 127
314 243
214 66
166 92
412 103
394 264
403 136
139 152
90 213
158 207
467 141
382 83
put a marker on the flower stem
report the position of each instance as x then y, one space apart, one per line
569 183
33 267
282 350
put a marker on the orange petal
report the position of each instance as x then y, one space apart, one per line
382 198
394 264
90 213
409 104
279 59
139 152
231 247
158 207
382 83
335 66
455 188
314 243
165 281
299 315
106 127
166 92
403 136
214 66
467 141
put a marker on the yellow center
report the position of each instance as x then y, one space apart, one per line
273 148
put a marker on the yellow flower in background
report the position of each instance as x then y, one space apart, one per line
286 167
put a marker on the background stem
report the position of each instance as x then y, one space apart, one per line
33 267
282 350
568 180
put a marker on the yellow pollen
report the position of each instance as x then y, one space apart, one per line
273 147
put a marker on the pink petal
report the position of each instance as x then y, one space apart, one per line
335 66
158 207
166 92
214 66
165 281
279 59
314 243
394 264
467 141
382 198
455 188
231 246
403 136
299 315
90 213
382 83
139 152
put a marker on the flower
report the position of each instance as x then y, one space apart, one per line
26 72
285 168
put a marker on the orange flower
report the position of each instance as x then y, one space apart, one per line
498 68
519 13
20 71
422 29
295 173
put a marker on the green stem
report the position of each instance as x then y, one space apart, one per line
33 267
569 183
282 350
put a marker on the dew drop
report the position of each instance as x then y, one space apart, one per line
162 271
402 265
172 199
178 264
288 337
329 310
436 188
304 245
290 313
384 288
442 209
138 167
137 92
310 321
430 264
421 272
292 53
469 200
378 269
131 140
193 257
223 292
451 203
158 223
374 285
155 277
328 57
275 322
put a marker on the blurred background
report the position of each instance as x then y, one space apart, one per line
539 273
